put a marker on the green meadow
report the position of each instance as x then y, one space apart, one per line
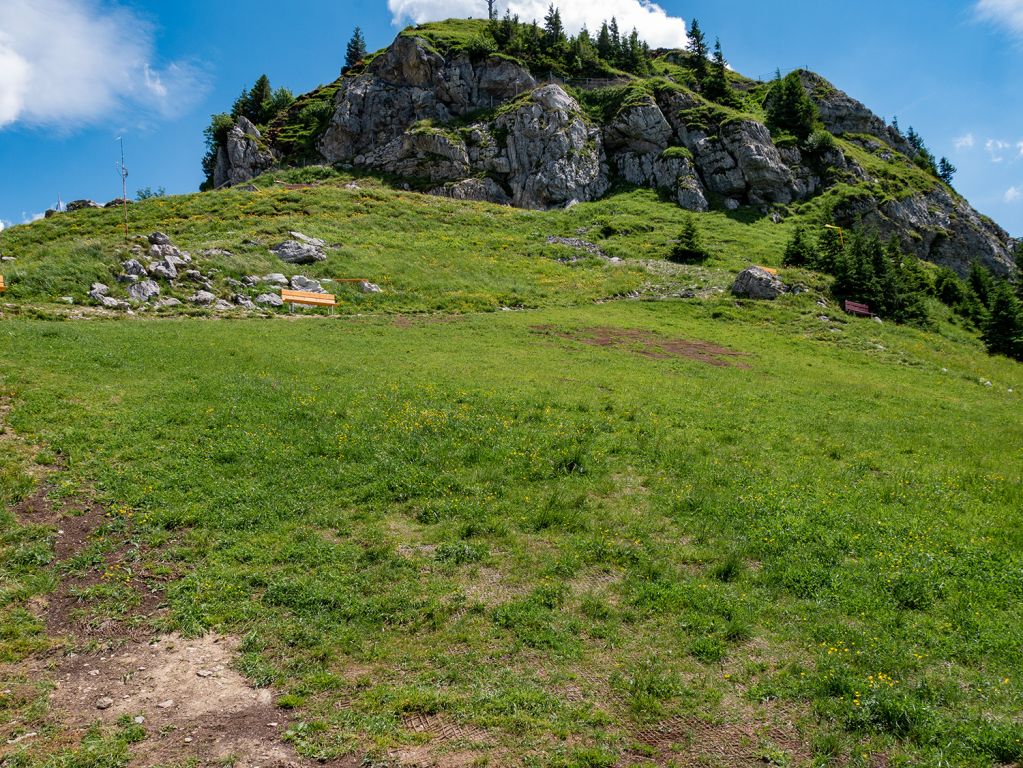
559 529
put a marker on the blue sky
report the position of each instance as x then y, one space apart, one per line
77 74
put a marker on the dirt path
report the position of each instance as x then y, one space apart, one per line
195 707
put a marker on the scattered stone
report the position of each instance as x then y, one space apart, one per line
202 298
313 241
798 289
109 302
128 278
573 242
776 218
244 302
98 291
167 303
79 205
68 299
163 269
223 305
116 202
878 320
352 186
166 704
204 673
7 258
139 720
986 383
270 300
250 280
134 267
368 287
50 213
170 254
194 275
144 290
275 278
294 252
159 238
104 703
758 283
212 253
731 204
234 283
303 283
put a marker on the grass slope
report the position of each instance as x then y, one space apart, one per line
554 546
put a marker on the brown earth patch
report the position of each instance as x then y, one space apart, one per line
652 345
690 741
193 705
196 709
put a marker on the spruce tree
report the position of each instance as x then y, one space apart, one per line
800 251
790 109
356 50
717 87
604 47
698 51
554 30
982 282
1003 332
616 42
688 248
946 171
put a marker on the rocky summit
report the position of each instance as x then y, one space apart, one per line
485 127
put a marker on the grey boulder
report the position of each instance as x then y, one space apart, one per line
758 283
270 300
144 290
134 267
295 252
303 283
202 298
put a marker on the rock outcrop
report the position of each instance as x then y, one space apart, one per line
758 283
243 157
483 129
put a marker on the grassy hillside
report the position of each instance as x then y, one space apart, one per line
429 254
679 532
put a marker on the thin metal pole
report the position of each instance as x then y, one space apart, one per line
124 189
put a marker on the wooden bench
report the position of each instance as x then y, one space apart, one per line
3 287
860 310
308 298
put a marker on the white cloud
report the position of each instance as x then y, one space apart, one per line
1013 194
3 225
1008 13
654 24
73 62
28 218
965 142
996 149
1019 146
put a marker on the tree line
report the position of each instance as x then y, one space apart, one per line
897 286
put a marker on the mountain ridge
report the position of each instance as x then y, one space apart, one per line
439 110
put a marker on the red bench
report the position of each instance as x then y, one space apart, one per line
860 310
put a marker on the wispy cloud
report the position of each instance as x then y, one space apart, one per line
1008 13
965 142
655 25
4 225
1013 194
74 62
28 218
1019 146
996 149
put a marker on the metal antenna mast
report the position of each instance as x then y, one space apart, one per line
122 171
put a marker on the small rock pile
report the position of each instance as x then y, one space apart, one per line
758 283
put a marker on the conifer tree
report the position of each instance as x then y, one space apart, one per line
800 251
688 247
604 47
616 41
946 171
1003 332
554 30
717 87
790 109
356 50
698 51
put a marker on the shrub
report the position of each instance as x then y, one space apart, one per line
688 248
790 109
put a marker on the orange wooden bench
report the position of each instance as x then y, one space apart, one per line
308 298
3 287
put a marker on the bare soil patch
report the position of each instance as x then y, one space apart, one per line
690 741
193 704
652 345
